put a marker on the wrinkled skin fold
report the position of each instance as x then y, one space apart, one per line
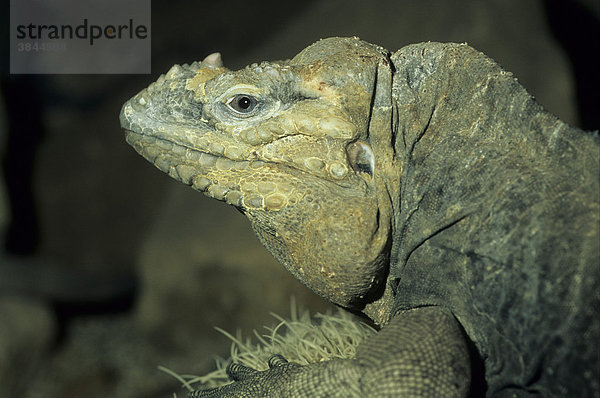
425 188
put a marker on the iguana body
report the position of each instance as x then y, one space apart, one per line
426 189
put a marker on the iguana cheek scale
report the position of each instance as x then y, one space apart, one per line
425 188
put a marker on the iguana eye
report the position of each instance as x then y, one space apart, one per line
242 104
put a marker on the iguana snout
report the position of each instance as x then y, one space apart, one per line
287 143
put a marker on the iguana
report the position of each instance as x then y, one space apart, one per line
425 189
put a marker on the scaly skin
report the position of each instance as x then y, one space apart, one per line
283 165
426 189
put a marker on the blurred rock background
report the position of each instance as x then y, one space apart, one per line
109 268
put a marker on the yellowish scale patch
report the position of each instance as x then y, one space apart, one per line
196 83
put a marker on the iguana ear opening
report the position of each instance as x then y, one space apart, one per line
361 158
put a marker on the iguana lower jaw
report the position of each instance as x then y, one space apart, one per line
289 145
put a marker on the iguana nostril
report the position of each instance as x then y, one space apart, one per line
140 102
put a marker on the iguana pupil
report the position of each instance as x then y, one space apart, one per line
242 103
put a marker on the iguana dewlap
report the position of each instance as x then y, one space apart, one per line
426 189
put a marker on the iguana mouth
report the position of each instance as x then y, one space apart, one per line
229 180
192 167
219 170
199 160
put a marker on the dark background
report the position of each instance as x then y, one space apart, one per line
108 268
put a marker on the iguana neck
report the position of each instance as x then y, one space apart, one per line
473 145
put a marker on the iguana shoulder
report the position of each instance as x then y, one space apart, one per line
500 218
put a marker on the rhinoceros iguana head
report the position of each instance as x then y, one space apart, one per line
300 147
